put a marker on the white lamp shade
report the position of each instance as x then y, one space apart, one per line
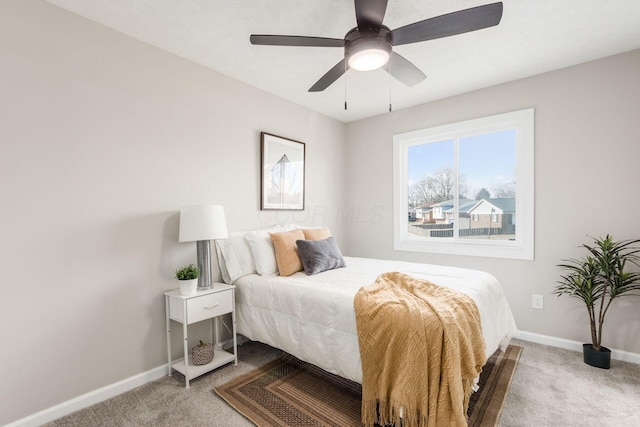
202 223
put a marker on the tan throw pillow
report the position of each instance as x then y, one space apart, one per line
316 233
284 245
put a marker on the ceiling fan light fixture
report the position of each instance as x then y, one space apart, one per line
368 53
368 59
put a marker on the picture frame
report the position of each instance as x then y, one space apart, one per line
282 173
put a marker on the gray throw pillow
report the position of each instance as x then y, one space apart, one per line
319 255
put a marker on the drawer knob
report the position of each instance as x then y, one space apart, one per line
209 307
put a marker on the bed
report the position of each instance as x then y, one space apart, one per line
312 316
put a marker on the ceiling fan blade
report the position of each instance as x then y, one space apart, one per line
331 76
450 24
403 70
370 12
276 40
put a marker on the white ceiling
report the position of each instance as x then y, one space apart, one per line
534 36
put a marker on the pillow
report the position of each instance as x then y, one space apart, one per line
223 266
236 254
284 245
263 252
316 233
320 255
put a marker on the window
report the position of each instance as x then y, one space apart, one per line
472 181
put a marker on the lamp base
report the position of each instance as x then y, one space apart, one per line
203 256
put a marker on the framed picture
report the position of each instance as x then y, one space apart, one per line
281 173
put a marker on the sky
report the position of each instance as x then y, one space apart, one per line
484 160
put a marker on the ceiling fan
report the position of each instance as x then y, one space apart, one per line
370 45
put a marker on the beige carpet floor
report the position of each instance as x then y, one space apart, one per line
551 387
554 387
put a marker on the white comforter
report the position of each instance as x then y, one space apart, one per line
312 317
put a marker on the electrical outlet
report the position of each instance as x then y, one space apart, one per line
537 301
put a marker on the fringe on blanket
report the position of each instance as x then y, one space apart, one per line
382 413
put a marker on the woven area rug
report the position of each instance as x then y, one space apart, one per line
289 392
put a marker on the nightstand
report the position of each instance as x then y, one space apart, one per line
205 305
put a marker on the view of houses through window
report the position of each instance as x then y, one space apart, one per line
467 188
477 202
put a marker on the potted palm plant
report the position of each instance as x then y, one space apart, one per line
597 279
188 278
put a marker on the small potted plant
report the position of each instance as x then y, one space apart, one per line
188 278
597 279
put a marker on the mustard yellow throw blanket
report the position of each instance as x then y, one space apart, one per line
421 348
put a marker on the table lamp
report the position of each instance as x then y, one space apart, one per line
201 224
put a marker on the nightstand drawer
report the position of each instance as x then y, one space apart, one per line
208 306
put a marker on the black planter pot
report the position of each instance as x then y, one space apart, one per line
599 359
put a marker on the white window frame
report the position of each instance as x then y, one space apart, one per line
523 245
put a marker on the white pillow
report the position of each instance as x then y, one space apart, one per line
262 248
223 265
263 253
237 257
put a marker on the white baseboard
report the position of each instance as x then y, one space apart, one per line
625 356
91 398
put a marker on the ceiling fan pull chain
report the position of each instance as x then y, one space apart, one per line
389 75
345 85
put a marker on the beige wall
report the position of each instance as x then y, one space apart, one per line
587 148
102 140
